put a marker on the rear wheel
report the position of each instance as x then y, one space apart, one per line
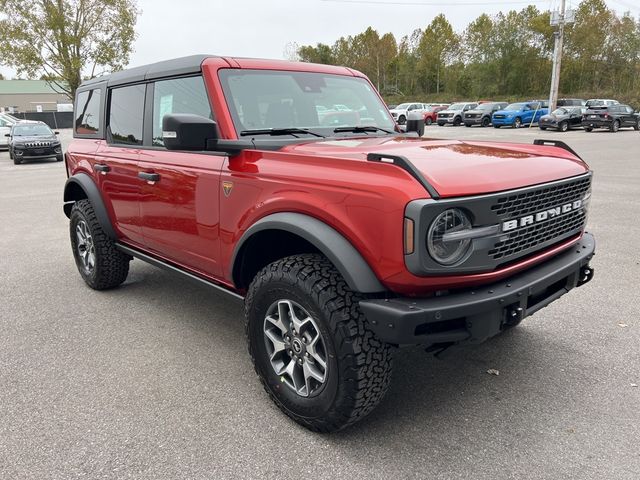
615 126
311 346
100 264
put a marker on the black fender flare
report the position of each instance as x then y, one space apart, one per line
353 268
88 186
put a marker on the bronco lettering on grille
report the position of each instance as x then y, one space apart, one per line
541 216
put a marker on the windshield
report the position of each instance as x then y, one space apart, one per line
457 106
262 99
403 106
33 130
560 111
514 106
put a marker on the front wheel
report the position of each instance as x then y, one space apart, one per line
636 127
428 121
496 126
311 345
518 122
486 121
99 262
457 121
402 120
59 158
588 129
563 127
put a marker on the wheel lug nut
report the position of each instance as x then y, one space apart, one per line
306 354
304 339
290 352
300 361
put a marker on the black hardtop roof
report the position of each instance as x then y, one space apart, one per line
167 68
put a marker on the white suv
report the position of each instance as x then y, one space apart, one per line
5 128
401 112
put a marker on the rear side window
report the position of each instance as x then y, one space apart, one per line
180 95
87 116
126 111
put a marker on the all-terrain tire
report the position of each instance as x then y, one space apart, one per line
486 121
358 363
111 266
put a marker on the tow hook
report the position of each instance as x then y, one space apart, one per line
513 316
586 274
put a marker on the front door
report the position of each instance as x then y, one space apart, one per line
179 201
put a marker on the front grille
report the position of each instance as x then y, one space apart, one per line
471 115
528 237
498 116
534 201
37 144
444 115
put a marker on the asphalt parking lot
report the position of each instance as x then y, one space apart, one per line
152 380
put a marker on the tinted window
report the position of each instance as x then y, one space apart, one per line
182 95
126 111
87 117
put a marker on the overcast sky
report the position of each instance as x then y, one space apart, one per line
263 28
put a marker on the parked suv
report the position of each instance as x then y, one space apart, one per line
481 115
431 113
30 140
401 112
344 242
613 117
453 115
5 130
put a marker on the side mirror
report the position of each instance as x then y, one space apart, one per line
185 131
57 133
415 123
7 134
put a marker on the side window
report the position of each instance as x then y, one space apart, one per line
87 116
181 95
126 110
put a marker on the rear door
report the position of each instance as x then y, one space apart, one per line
117 160
179 204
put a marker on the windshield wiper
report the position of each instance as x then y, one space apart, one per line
279 131
362 129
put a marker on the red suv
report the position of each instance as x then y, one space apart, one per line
344 237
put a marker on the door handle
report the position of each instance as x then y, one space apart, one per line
102 168
149 177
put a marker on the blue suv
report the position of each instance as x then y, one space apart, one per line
519 114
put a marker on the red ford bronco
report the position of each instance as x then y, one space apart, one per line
290 186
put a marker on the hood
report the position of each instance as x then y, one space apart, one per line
36 138
455 168
448 110
553 116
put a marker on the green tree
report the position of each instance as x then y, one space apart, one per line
64 39
321 53
438 48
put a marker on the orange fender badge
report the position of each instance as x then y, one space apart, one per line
226 188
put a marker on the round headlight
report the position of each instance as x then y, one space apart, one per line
443 247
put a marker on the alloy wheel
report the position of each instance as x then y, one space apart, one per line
296 349
85 247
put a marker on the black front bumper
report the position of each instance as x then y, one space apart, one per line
477 314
